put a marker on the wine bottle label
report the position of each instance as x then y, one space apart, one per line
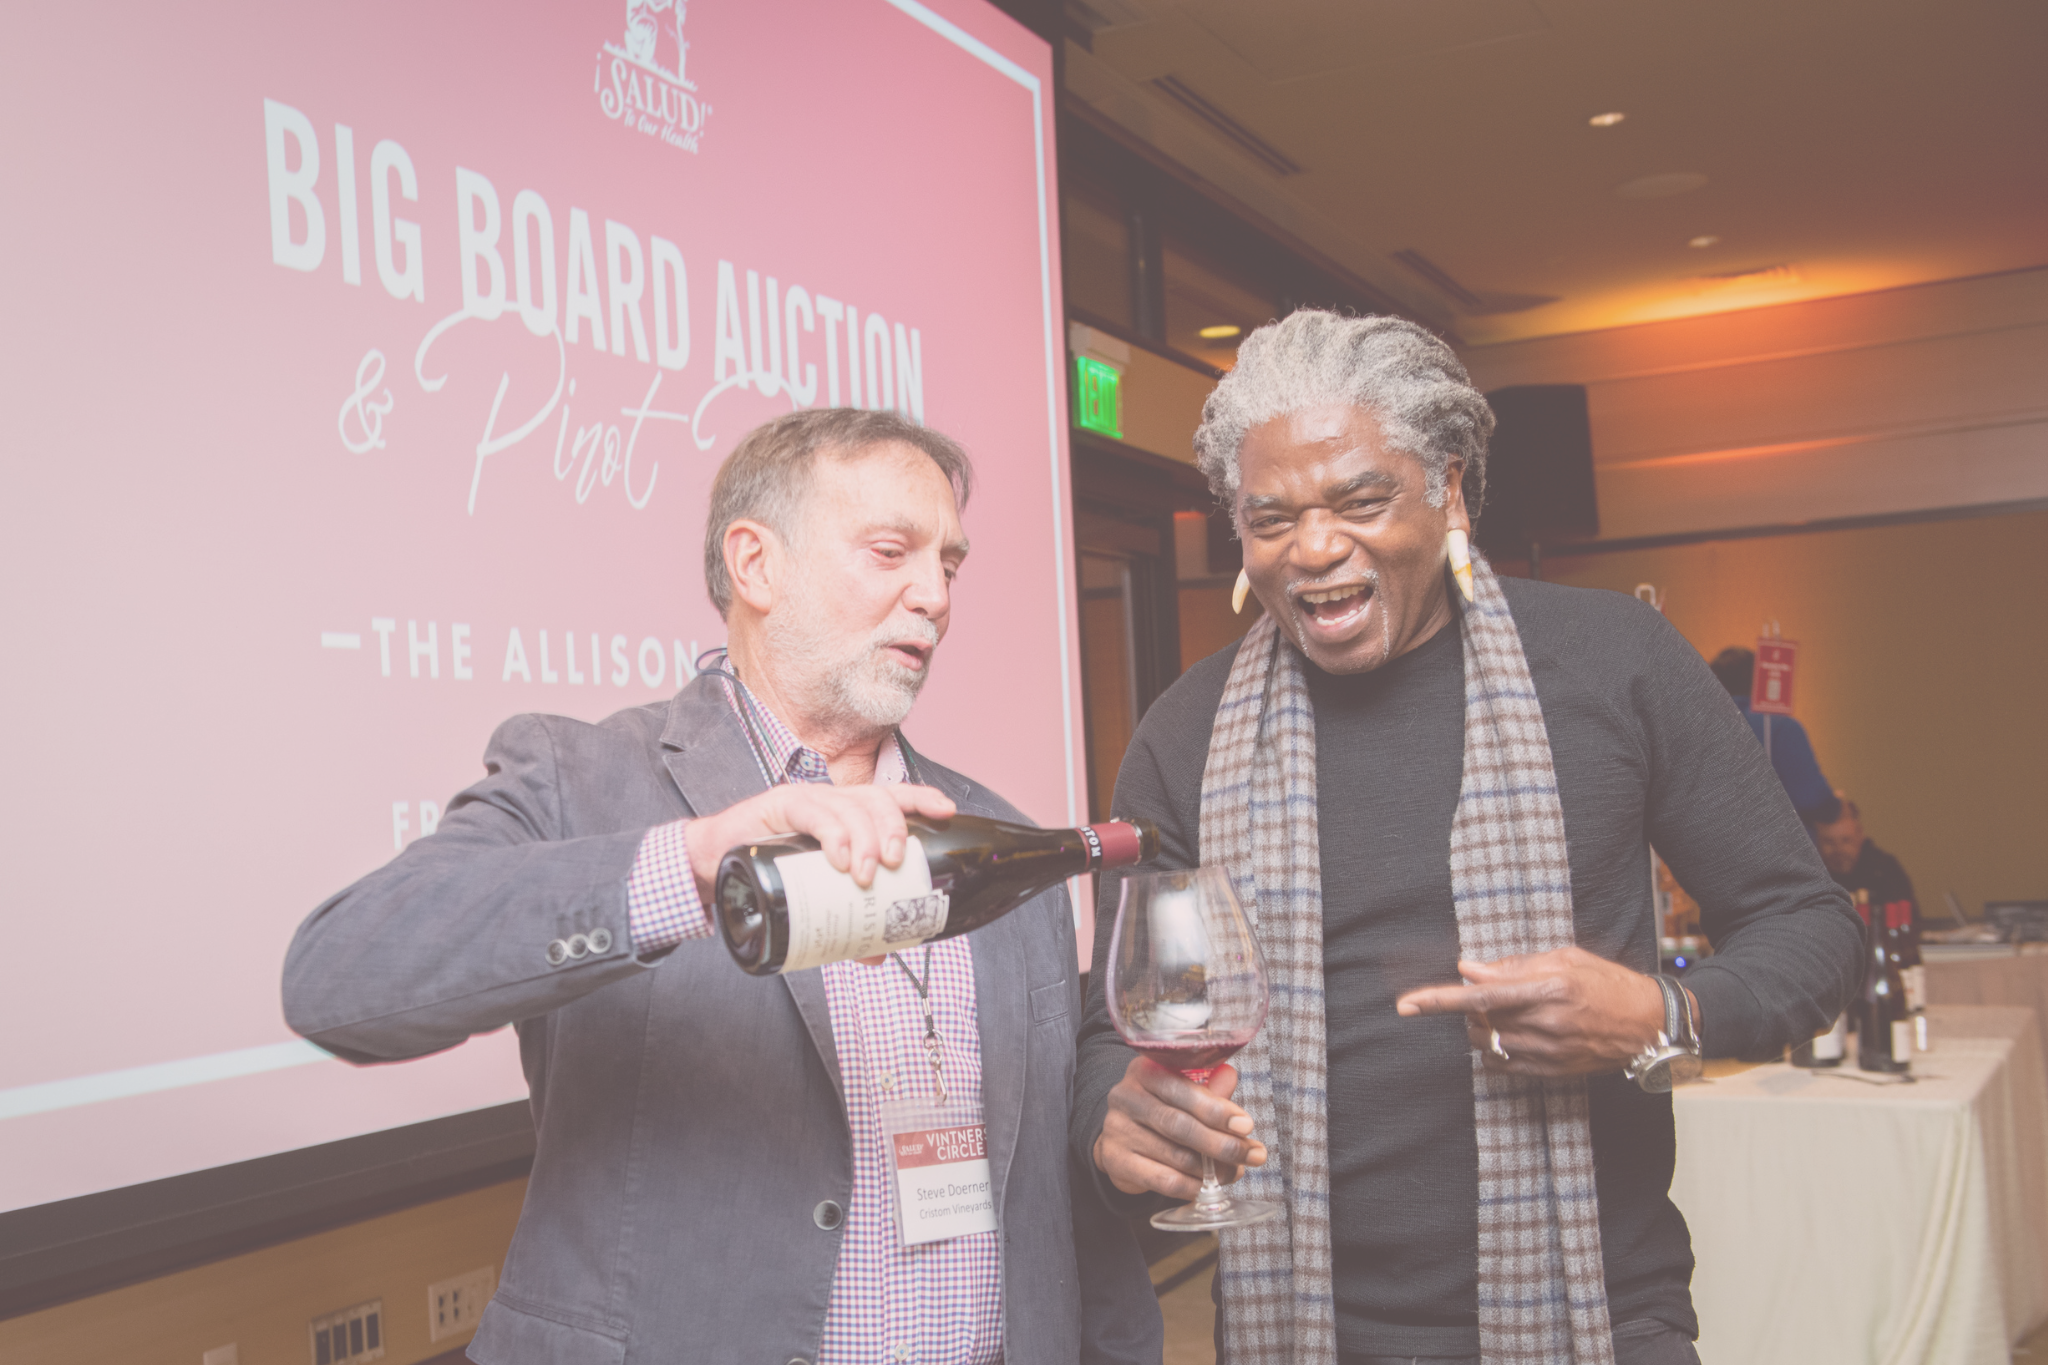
1829 1046
1902 1039
1916 987
832 917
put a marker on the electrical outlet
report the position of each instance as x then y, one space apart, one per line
454 1305
350 1335
230 1354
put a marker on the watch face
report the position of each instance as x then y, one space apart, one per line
1669 1066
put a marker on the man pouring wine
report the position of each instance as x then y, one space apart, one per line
1434 791
854 1162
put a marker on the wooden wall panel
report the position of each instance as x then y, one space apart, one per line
1902 401
263 1302
1923 655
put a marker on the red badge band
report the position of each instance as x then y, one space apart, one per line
937 1146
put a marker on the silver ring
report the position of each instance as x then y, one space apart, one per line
1493 1046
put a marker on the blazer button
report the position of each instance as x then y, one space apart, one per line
600 940
558 953
579 945
798 1360
828 1215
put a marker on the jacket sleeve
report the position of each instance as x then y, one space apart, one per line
1787 946
471 928
1120 1321
1155 783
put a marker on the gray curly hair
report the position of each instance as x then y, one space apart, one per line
1407 378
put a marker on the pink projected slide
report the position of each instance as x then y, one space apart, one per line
366 370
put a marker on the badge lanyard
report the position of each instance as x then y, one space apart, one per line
943 1184
931 1032
744 703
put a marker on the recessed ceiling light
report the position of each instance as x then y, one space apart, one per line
1705 239
1221 331
1607 120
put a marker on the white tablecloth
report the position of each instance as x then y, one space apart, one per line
1840 1222
1992 976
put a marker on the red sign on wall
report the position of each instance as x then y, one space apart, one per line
1770 687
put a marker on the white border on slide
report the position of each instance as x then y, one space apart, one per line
954 33
72 1092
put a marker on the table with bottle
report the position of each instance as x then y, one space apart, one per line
1845 1215
1965 973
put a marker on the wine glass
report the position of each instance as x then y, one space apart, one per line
1187 987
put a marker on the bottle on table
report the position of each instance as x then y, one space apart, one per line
1826 1049
1902 944
781 907
1884 1028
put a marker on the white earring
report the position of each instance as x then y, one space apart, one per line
1237 594
1459 547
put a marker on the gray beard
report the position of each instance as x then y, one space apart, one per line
859 691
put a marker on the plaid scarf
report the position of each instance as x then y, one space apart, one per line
1542 1291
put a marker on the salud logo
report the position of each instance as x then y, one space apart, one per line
640 80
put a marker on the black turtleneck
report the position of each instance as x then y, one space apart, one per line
1648 748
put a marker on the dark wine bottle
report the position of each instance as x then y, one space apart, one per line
782 907
1902 945
1884 1029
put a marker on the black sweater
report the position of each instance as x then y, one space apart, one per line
1649 750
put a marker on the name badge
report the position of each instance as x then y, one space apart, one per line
944 1188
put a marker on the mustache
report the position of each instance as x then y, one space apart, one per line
917 630
1321 581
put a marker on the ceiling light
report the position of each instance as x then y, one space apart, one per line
1607 120
1704 240
1221 332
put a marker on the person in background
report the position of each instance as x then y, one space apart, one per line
1858 864
711 1175
1785 740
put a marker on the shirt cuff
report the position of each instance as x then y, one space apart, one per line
662 905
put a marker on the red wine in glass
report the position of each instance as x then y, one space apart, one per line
1187 988
1193 1058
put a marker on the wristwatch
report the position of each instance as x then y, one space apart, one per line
1674 1058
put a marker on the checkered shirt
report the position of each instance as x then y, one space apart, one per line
937 1304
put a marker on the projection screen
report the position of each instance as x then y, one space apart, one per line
366 372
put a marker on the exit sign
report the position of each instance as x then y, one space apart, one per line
1096 403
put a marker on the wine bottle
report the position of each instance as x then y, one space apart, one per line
1826 1049
1902 945
782 907
1884 1031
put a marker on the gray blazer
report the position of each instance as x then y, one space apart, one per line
689 1117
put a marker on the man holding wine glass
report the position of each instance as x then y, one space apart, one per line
1434 792
841 1162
